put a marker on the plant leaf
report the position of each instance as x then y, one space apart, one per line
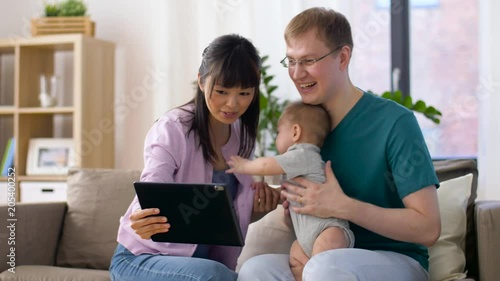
387 95
267 79
271 89
428 111
419 106
398 97
271 108
408 103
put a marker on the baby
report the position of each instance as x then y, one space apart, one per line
302 129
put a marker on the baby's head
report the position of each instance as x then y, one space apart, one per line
302 123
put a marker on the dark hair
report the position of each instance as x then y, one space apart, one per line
332 27
231 61
313 119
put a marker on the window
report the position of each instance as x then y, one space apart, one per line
371 58
444 73
443 68
414 3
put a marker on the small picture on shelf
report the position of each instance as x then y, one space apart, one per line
50 156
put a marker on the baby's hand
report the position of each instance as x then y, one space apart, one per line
237 164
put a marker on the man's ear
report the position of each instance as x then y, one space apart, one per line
297 132
345 57
199 83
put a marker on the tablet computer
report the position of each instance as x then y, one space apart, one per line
197 213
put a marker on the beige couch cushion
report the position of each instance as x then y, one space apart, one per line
96 200
53 273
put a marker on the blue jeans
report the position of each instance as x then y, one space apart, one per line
126 266
337 265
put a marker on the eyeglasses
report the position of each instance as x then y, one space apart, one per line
288 62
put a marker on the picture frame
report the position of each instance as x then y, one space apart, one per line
50 156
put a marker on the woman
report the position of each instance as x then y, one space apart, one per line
191 144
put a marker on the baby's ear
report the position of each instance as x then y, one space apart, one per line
297 132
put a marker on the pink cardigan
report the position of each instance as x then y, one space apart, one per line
171 157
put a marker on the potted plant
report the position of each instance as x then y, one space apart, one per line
67 8
68 16
72 8
271 108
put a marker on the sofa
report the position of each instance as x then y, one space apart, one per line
75 240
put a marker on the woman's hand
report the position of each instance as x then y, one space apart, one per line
318 199
286 208
265 199
145 223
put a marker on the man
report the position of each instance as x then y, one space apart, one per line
384 181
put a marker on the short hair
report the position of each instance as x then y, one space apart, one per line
313 120
332 27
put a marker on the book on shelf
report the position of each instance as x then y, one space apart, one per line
8 157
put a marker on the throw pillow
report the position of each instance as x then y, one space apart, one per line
447 256
268 235
97 198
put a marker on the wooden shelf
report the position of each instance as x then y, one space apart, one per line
4 110
49 110
41 178
6 46
85 98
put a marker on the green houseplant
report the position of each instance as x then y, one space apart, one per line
271 108
68 16
419 106
52 10
67 8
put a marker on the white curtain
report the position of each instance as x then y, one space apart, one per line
488 94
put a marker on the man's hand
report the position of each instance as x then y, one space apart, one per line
318 199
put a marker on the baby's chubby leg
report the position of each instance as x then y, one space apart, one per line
331 238
298 259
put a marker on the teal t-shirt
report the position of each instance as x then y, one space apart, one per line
379 156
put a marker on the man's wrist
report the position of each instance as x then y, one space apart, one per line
348 209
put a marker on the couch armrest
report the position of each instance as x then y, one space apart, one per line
487 215
35 233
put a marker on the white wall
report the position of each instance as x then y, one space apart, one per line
130 26
489 96
15 16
